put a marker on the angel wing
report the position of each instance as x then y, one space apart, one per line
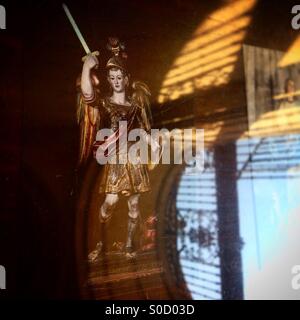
141 98
88 119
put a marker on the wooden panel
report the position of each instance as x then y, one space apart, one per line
265 80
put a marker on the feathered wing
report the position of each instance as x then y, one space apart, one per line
88 119
141 98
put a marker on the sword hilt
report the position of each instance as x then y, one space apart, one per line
94 53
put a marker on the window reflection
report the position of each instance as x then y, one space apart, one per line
197 239
268 189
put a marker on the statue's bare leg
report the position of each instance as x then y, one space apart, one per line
105 213
108 207
133 215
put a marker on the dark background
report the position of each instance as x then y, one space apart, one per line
40 58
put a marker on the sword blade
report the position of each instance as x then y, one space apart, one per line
76 29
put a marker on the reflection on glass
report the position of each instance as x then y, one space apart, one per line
209 57
197 235
269 209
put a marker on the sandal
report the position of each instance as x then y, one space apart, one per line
96 254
